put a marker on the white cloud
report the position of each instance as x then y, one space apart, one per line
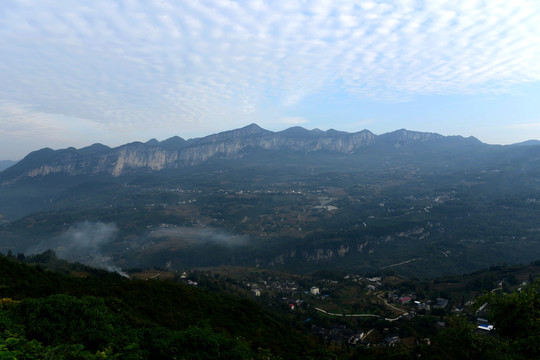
192 64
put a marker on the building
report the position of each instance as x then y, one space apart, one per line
314 290
486 327
404 300
441 303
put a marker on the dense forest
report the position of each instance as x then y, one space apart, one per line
101 315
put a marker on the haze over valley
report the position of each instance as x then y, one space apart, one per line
418 204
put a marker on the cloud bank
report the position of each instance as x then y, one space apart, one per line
84 243
209 65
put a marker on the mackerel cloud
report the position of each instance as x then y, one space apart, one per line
121 63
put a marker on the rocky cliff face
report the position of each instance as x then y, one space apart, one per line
112 161
176 152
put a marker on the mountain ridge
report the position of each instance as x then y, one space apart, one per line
293 199
175 152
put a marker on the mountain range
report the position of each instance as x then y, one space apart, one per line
176 152
417 203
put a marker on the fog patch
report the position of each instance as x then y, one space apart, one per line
204 236
84 243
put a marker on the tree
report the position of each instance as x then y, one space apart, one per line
516 317
63 319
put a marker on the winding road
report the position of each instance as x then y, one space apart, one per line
345 315
403 312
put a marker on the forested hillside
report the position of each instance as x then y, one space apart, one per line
93 314
106 315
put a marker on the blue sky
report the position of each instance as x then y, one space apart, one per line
73 73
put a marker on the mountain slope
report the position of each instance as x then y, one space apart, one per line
178 153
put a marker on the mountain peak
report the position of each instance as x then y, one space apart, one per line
251 129
252 126
333 132
94 148
152 142
404 136
173 143
246 131
297 131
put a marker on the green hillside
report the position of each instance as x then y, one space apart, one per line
108 315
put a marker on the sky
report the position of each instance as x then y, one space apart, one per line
74 73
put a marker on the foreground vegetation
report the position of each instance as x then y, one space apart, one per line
46 314
93 314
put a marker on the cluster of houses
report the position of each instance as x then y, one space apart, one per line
185 280
371 283
288 287
405 299
290 291
339 334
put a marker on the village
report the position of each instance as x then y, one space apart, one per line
353 310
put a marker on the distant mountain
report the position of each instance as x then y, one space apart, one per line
528 143
419 203
178 153
4 164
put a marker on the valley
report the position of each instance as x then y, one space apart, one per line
415 204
